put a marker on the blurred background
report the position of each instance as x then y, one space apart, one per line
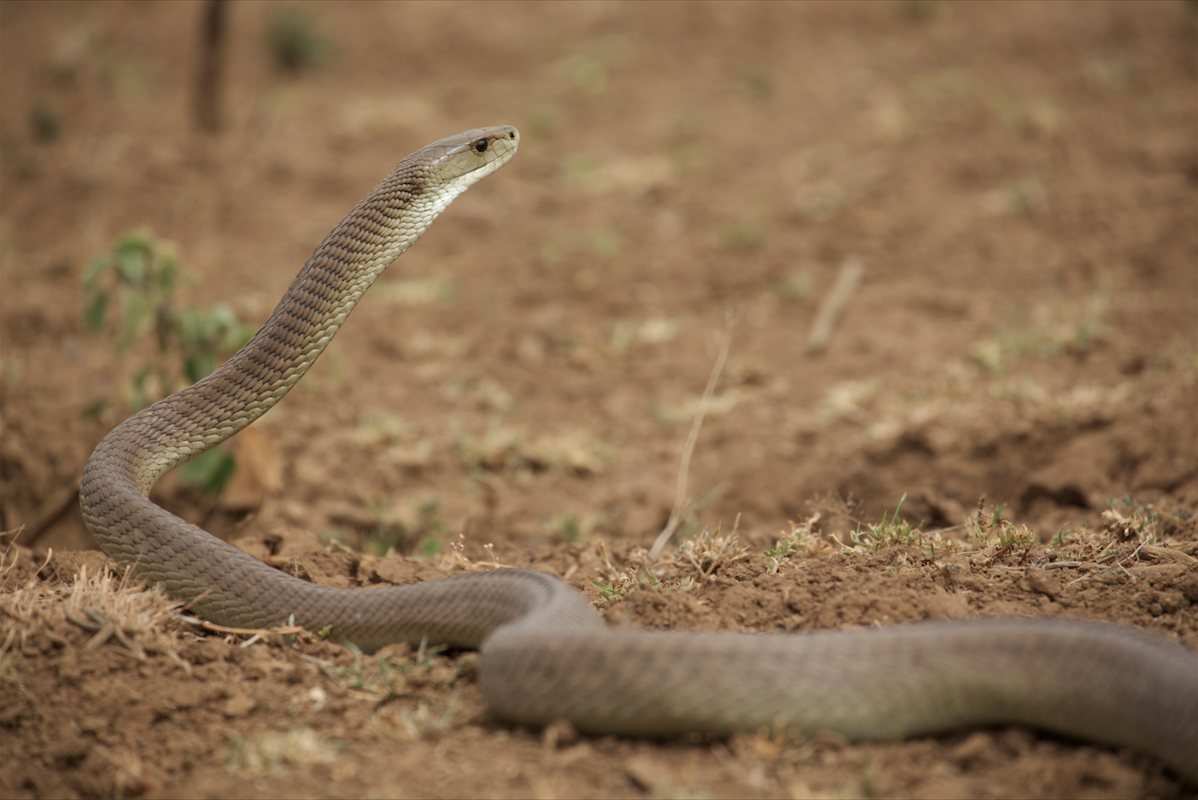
1007 193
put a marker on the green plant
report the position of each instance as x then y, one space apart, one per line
568 528
140 275
782 548
1007 533
418 536
795 287
888 532
294 41
610 591
741 235
801 539
757 84
385 680
574 528
428 548
622 586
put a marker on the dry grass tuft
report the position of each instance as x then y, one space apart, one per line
26 610
456 559
802 541
130 776
142 620
711 550
274 753
510 447
114 609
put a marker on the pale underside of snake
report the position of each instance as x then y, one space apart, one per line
545 653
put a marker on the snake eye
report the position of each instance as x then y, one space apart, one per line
481 146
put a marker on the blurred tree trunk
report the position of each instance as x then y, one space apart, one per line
208 83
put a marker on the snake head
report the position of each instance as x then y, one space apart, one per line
465 159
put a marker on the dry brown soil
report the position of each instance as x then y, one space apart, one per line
1019 181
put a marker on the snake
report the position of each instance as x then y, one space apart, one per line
545 653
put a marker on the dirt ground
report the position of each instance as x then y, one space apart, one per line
1019 183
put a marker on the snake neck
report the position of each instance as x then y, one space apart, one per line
114 491
332 281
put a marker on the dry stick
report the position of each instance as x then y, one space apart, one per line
46 514
10 549
680 498
207 108
286 630
829 311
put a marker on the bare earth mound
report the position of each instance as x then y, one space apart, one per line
1019 183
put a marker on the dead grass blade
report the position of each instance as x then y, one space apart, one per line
681 499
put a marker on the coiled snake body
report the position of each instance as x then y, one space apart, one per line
545 654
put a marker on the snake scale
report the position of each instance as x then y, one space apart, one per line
545 654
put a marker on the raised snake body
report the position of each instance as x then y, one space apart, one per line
545 653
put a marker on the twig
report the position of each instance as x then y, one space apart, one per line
40 520
680 497
287 630
829 311
208 77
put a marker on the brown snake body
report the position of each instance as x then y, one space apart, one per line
546 654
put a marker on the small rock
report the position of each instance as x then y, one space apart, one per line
68 666
1040 581
559 734
238 705
647 774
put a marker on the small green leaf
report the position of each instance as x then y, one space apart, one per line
188 323
164 320
239 336
97 265
131 263
210 471
168 271
199 366
221 320
95 409
95 310
140 397
136 311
